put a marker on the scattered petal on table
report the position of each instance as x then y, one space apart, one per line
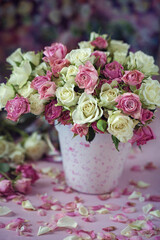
109 229
67 222
83 210
112 207
147 208
127 232
102 211
43 230
135 195
141 184
27 205
4 210
129 209
155 213
121 218
73 237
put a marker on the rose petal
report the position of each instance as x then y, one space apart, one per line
127 232
103 197
119 218
27 205
112 207
67 222
83 211
43 230
142 184
41 212
129 209
102 211
4 210
109 229
89 219
73 237
155 213
147 208
135 195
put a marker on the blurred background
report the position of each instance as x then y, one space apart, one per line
33 24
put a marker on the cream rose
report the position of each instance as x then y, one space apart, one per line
32 57
87 111
69 74
86 44
21 74
142 62
18 154
26 90
6 93
120 125
66 95
35 146
150 93
118 46
15 57
94 35
4 147
37 105
80 56
40 70
108 95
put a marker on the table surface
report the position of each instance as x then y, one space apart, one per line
46 185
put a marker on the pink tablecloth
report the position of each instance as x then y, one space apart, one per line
45 186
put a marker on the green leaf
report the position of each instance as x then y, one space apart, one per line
91 135
102 125
116 142
4 167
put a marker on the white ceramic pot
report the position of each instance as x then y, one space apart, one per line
95 167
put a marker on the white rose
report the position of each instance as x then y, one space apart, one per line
32 57
150 93
21 74
15 57
118 46
108 95
120 57
94 35
6 93
35 146
37 105
18 154
86 44
4 147
142 62
26 90
40 70
87 110
69 74
120 125
80 56
66 95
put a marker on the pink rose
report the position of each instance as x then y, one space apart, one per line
130 104
47 90
6 187
55 51
16 107
52 112
65 118
80 129
100 43
87 77
57 65
133 77
23 185
113 70
40 80
101 58
142 136
94 126
28 171
145 115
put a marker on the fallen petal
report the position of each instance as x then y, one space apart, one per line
155 213
67 222
43 230
27 205
73 237
135 195
147 208
4 210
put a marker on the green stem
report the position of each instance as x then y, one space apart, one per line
5 175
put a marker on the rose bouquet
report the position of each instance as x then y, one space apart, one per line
98 88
